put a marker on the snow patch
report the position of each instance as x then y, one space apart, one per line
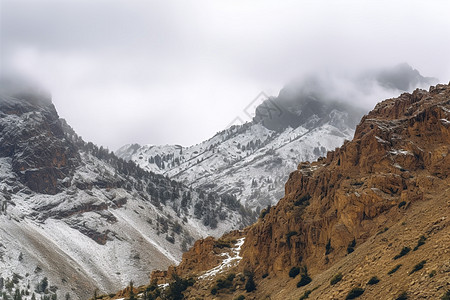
228 262
380 140
400 152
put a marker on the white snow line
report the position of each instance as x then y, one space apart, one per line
400 152
163 285
227 262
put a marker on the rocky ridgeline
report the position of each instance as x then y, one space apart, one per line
32 135
399 149
398 159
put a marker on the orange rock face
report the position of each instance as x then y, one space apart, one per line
398 149
204 255
399 155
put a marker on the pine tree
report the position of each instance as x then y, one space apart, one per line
250 286
132 296
17 295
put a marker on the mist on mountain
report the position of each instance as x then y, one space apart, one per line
319 93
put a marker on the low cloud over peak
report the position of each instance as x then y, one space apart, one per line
179 71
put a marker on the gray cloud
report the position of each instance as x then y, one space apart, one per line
178 71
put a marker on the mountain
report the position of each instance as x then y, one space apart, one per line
75 218
370 219
252 161
402 77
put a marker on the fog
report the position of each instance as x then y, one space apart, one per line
176 72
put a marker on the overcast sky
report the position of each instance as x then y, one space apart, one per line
164 72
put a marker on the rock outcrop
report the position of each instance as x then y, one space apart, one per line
399 149
32 135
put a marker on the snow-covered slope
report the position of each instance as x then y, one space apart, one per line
253 161
249 161
84 219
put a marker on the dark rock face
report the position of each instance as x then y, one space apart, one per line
402 77
312 99
306 105
31 134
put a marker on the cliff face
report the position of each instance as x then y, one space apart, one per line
397 165
399 150
32 136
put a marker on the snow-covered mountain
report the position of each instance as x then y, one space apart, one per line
253 160
249 161
75 218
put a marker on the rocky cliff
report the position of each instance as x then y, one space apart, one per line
32 135
348 214
399 149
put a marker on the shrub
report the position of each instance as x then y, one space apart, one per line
41 286
336 279
264 212
373 280
418 267
265 275
306 295
403 203
402 296
355 293
420 242
294 271
231 276
250 285
403 252
351 246
223 283
446 296
304 279
302 200
241 297
383 230
395 269
170 239
328 247
222 244
176 288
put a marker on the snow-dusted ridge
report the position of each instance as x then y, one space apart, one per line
87 220
249 161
